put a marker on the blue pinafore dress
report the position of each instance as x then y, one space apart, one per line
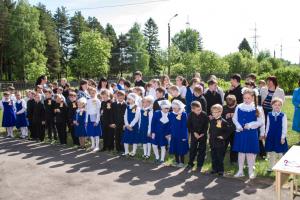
9 115
143 131
130 137
21 120
80 129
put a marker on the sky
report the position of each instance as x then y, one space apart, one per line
222 24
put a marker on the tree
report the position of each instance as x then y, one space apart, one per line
27 43
95 25
48 26
62 29
244 45
188 40
151 34
93 55
6 9
263 55
137 53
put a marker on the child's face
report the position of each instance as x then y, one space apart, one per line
154 84
230 102
174 93
48 95
120 98
59 91
276 106
104 97
92 93
6 97
58 100
196 110
80 105
165 110
213 87
178 82
197 94
216 114
72 98
159 95
145 104
18 96
37 98
248 99
130 101
176 109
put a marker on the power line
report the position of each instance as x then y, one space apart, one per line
118 5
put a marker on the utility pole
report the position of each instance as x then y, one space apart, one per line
255 37
281 50
169 43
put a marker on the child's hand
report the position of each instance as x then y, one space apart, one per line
282 141
197 136
130 128
153 136
95 124
239 129
228 115
124 128
262 137
210 117
168 137
201 135
43 122
247 126
220 137
112 126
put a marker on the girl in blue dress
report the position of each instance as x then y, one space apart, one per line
160 128
179 133
146 115
92 120
276 132
79 121
296 103
131 120
21 118
9 115
247 118
189 96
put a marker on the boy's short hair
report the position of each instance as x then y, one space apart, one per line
120 93
174 88
127 84
161 90
138 73
39 87
231 98
104 92
196 104
55 83
262 82
10 88
212 82
47 90
67 85
72 94
217 107
60 88
198 89
236 77
92 89
252 76
276 100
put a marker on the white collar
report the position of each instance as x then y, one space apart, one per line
247 107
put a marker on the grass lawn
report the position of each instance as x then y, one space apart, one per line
261 165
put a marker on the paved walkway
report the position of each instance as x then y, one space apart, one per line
32 171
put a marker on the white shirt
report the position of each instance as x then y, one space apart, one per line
152 92
3 100
164 117
259 123
182 91
150 114
93 107
24 106
136 116
284 125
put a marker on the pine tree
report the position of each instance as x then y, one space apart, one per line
48 26
62 29
115 51
151 34
95 25
244 45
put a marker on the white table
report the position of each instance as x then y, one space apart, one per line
288 166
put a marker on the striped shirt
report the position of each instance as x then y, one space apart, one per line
267 102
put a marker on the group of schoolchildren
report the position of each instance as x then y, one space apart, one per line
160 116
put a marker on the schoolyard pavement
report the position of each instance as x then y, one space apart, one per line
30 170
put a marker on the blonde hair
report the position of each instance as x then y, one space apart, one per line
217 107
275 100
252 93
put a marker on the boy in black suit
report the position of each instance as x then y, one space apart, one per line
117 119
160 95
197 125
218 133
72 107
60 119
38 119
49 104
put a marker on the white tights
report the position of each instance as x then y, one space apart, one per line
250 160
147 149
126 148
95 142
162 152
9 131
24 131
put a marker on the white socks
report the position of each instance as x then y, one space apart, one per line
250 161
97 142
93 143
162 153
134 148
126 148
147 149
10 131
155 150
24 132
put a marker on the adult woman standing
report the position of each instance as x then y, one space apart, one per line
296 103
42 80
83 90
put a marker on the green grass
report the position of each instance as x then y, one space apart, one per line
261 165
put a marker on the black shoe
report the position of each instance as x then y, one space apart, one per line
102 150
212 172
188 167
220 173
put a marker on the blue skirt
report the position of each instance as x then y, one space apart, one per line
160 140
143 137
246 141
91 130
274 145
80 130
130 137
21 120
178 147
9 120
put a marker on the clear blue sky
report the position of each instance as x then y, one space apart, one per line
222 24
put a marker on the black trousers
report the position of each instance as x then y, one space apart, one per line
108 137
197 148
38 131
71 128
179 159
118 138
217 159
51 130
233 154
30 128
62 132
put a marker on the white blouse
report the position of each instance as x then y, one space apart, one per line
24 106
136 116
93 107
150 114
284 125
